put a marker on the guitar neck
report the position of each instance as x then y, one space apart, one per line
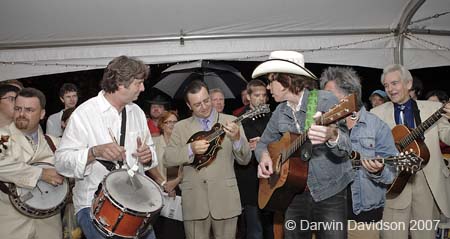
419 131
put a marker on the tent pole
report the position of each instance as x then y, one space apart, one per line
402 27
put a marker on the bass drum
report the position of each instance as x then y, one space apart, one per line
119 209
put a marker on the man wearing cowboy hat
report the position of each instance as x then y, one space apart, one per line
324 199
157 107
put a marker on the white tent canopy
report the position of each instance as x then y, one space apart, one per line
51 36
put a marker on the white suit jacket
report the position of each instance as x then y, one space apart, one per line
15 168
436 174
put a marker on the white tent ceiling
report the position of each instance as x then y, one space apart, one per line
50 36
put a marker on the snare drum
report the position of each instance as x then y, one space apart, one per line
121 210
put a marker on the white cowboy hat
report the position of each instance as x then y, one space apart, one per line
290 62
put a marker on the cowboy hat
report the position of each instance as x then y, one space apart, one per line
290 62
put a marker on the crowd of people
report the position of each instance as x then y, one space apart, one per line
115 168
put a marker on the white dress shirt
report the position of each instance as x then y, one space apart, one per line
54 124
88 126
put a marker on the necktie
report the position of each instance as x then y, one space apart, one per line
33 144
205 124
401 118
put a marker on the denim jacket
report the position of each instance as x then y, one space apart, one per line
329 170
371 137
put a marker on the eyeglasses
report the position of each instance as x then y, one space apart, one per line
170 122
10 98
25 110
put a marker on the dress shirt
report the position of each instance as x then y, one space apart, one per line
88 127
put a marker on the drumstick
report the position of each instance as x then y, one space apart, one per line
134 181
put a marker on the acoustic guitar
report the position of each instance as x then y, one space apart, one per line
215 137
290 172
411 140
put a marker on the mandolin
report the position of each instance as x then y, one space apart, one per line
216 135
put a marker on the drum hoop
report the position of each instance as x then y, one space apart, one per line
32 212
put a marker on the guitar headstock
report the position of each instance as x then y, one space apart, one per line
408 161
259 110
344 108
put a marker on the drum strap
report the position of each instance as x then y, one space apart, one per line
123 128
109 165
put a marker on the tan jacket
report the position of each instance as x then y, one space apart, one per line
15 167
436 174
212 190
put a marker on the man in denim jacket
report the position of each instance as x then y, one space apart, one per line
371 138
324 201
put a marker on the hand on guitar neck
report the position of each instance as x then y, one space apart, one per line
50 176
372 165
319 134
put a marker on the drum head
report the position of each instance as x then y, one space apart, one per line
147 198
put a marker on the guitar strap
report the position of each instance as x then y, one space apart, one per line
416 113
311 108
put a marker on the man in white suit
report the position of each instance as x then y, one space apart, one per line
27 145
427 193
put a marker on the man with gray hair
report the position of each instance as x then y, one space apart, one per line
371 138
427 191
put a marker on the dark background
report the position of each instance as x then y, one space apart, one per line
88 83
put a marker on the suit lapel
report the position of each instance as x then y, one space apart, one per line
20 139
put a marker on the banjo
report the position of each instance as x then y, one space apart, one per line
43 201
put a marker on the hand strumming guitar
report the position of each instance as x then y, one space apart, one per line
265 166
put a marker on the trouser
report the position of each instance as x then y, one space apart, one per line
90 232
328 218
221 228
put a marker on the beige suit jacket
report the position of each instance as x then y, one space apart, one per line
436 174
213 189
15 168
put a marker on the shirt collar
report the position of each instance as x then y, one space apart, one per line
407 104
297 107
104 104
210 117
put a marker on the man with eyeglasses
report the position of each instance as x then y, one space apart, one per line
27 145
8 95
210 196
